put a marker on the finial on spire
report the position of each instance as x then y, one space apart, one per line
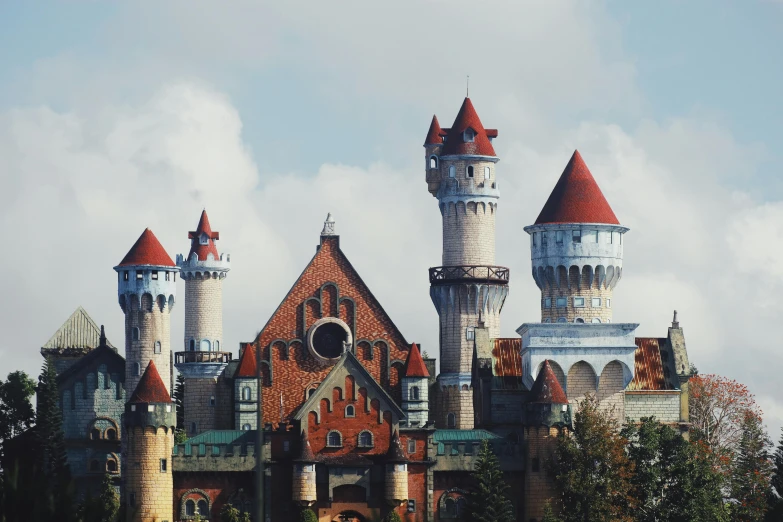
328 226
467 88
675 322
103 337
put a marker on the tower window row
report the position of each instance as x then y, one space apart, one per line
204 345
578 302
577 236
125 275
578 320
469 172
334 439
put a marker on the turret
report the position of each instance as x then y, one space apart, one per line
415 396
468 290
246 389
149 422
146 288
576 249
303 487
396 476
202 361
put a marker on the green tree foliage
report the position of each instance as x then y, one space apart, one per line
179 400
16 410
229 514
103 508
671 480
752 472
308 515
775 511
245 517
549 514
592 471
488 501
392 516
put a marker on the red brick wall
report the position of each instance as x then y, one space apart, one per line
219 487
292 374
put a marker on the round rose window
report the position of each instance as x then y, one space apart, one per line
328 338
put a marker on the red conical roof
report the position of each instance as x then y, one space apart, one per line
547 388
434 134
455 142
195 237
576 198
414 365
150 387
147 250
395 453
306 451
248 366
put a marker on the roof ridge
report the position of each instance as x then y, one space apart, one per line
93 332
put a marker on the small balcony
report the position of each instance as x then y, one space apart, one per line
444 275
202 357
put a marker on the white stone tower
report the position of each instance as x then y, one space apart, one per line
415 389
468 290
202 361
146 288
576 247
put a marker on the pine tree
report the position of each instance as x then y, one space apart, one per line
750 484
103 508
308 515
592 472
488 501
392 516
549 515
775 511
179 400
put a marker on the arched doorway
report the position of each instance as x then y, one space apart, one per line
349 516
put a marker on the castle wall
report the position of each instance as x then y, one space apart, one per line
539 487
581 381
150 487
154 326
664 405
611 394
204 311
468 232
201 404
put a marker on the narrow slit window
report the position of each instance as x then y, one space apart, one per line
157 346
547 302
470 171
559 237
155 275
487 173
452 171
576 236
470 333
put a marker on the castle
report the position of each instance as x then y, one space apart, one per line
330 406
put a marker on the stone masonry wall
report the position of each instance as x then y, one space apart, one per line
456 351
468 233
198 407
665 406
246 412
204 311
539 486
151 487
581 381
457 401
153 326
611 395
570 289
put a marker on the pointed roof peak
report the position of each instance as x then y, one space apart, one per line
395 453
434 135
248 366
328 229
467 118
577 198
78 331
414 364
203 224
305 451
147 250
150 388
203 249
547 388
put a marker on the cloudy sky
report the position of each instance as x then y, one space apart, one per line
119 116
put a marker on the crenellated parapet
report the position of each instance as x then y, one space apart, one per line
212 267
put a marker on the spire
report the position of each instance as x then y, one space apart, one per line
435 134
203 230
306 451
147 250
248 366
102 341
547 389
414 364
576 198
675 322
150 388
395 453
456 142
328 226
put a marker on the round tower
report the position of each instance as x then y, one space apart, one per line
146 287
303 478
415 389
396 474
207 405
468 290
576 247
149 421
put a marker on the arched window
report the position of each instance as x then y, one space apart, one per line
192 345
95 434
451 507
246 393
595 320
461 505
246 427
111 434
413 393
136 369
217 345
157 346
579 320
470 171
334 439
135 333
561 320
203 510
350 411
205 345
190 508
111 466
433 162
95 466
452 171
365 439
451 420
487 173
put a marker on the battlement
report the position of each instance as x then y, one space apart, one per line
461 455
138 288
214 457
192 266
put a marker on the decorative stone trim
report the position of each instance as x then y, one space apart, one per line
184 499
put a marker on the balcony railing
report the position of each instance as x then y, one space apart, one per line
202 357
442 275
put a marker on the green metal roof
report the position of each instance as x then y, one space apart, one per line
223 437
463 435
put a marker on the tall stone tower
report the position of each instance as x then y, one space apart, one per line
146 288
207 405
468 290
576 247
150 420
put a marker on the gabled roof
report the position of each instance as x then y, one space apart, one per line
547 389
507 364
349 361
248 365
150 388
434 134
455 143
103 352
648 366
576 198
414 364
147 250
78 331
195 237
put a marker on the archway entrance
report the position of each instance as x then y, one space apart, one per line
349 516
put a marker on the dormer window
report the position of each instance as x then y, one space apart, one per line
204 239
469 135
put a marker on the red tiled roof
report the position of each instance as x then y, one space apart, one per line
150 388
195 244
507 364
648 366
455 143
547 389
576 198
434 136
414 365
248 366
147 250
